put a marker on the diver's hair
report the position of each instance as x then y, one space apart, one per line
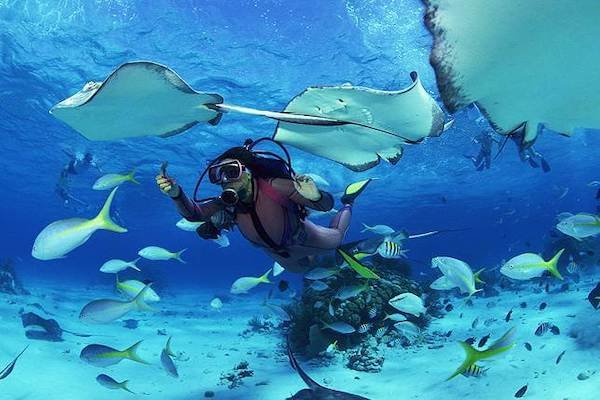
259 166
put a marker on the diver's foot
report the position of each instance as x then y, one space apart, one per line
353 190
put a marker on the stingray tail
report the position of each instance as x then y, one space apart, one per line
294 364
518 129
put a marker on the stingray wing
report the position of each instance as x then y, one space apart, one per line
137 99
521 61
372 124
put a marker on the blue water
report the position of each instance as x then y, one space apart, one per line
259 54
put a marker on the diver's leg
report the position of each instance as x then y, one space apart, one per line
320 237
488 160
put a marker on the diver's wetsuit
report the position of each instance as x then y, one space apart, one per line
274 205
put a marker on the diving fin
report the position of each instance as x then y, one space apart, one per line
354 190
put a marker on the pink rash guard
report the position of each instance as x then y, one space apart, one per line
274 204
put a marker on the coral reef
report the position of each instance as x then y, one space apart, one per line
9 283
367 358
258 324
367 309
234 378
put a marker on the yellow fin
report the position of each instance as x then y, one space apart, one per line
131 177
358 267
103 219
264 278
552 265
131 353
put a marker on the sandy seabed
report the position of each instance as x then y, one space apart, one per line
211 344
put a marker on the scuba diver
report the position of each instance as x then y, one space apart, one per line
526 151
484 159
264 197
78 163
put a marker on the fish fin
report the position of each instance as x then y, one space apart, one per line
139 302
131 353
360 256
178 256
472 355
475 291
366 228
477 276
133 265
103 218
265 277
168 348
504 343
131 177
124 386
357 266
552 265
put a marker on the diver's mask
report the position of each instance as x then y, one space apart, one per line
227 171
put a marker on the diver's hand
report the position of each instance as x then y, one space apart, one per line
307 187
168 185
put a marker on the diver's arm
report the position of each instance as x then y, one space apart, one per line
193 211
188 209
287 188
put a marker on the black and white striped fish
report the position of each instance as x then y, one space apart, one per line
380 332
544 327
372 312
390 249
475 371
364 328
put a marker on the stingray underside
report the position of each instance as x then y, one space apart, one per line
373 123
137 99
521 61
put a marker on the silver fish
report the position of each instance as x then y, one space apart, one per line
318 286
279 312
110 383
166 360
319 273
347 292
331 310
107 310
100 355
340 327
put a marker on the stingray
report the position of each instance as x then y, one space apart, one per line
528 65
316 391
39 328
360 126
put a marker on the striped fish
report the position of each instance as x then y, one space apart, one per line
380 332
474 370
364 328
390 249
372 312
544 327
